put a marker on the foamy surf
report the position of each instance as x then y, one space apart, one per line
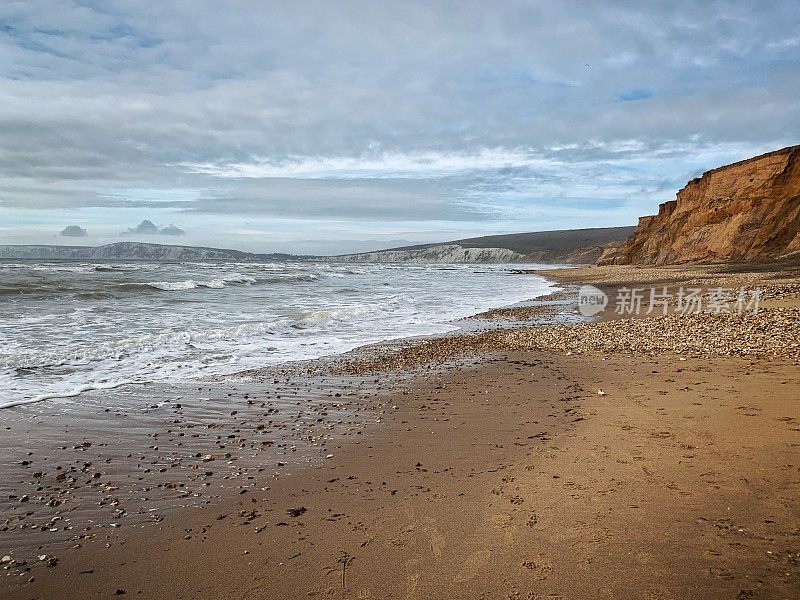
69 393
81 328
190 284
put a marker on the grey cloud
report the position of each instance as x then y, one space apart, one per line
172 230
368 199
134 94
147 227
73 231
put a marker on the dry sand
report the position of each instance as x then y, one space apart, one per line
518 471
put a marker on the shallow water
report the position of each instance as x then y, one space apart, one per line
70 327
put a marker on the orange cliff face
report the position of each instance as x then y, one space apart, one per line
747 211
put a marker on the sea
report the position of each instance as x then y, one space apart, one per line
70 327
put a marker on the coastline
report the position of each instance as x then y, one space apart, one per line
502 472
125 458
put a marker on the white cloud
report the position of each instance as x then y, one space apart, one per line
791 42
383 165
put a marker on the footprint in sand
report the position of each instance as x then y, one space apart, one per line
540 568
411 586
657 594
472 564
505 523
436 540
412 578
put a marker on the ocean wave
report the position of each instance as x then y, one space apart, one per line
290 277
138 345
17 289
113 268
175 341
32 288
162 322
326 315
190 284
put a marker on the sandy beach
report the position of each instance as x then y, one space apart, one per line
399 300
621 457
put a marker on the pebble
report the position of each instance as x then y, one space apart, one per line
770 333
51 561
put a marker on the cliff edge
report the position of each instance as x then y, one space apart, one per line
748 211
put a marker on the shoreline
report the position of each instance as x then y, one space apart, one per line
506 490
433 325
47 503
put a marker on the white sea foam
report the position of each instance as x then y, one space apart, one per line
89 329
173 286
190 284
77 391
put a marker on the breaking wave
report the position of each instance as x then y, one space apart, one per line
216 283
70 329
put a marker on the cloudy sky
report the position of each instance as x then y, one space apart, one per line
336 126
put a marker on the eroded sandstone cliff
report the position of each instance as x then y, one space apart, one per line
747 211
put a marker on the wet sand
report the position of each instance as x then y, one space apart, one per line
502 472
93 468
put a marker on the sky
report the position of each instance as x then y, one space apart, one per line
331 127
